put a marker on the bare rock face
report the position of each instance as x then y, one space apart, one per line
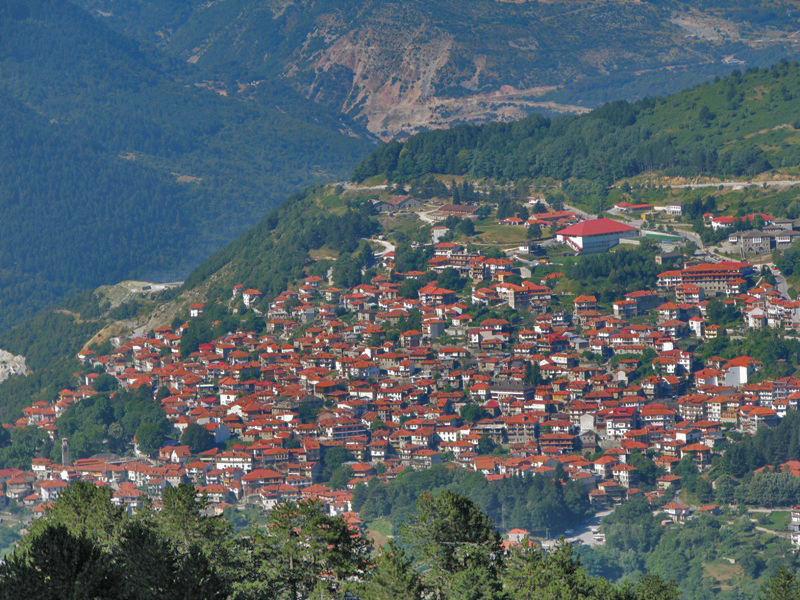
399 66
11 365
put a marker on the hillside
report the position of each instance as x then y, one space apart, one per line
371 326
401 66
114 166
741 125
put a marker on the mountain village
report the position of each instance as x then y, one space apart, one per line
570 389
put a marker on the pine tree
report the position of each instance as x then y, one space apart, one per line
455 191
393 577
781 586
450 535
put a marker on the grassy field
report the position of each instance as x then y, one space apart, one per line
664 237
502 234
380 531
724 573
778 520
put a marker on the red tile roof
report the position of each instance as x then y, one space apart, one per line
596 227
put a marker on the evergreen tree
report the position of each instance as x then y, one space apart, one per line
783 585
393 577
301 542
58 565
455 192
452 538
198 438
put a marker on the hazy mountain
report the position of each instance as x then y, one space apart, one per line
116 165
403 65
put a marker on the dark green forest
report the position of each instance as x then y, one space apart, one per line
87 548
687 133
534 503
276 251
115 165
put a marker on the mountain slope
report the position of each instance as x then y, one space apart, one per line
750 123
404 65
740 125
114 165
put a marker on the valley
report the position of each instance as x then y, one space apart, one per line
488 300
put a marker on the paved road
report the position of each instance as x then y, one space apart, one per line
781 284
779 183
584 533
387 246
350 186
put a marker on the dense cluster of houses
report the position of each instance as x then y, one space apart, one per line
336 368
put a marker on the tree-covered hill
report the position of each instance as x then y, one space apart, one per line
741 125
115 165
277 251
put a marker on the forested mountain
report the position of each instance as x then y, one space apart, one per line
740 125
403 65
152 132
115 165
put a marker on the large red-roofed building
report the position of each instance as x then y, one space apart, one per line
725 277
595 235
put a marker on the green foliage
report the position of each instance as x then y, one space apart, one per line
779 354
215 321
632 531
451 280
58 565
719 313
286 559
770 489
106 423
534 503
332 458
275 251
184 525
616 140
486 445
783 585
198 438
772 446
610 275
18 448
646 467
85 123
472 413
789 261
85 547
411 259
85 510
536 575
452 539
686 553
308 411
49 342
340 477
105 383
393 576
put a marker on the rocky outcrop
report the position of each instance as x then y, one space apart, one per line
403 65
11 365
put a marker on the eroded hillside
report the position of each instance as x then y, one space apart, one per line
400 66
